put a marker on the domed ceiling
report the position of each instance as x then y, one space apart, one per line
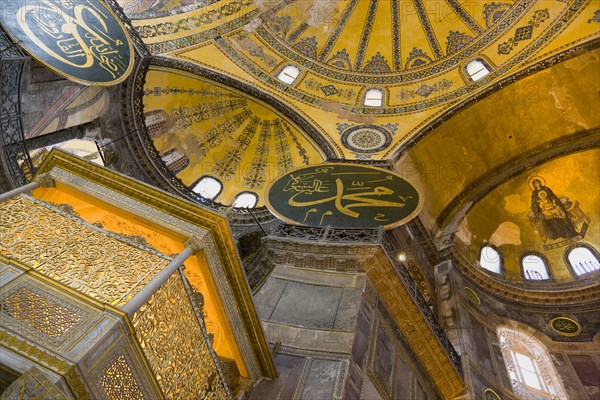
480 190
415 51
534 116
218 132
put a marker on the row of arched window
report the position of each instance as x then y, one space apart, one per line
475 70
581 259
210 188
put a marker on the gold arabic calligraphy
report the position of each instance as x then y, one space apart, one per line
344 201
74 34
566 326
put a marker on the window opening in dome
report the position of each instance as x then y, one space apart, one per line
490 259
245 200
477 70
534 268
374 98
208 187
583 261
289 74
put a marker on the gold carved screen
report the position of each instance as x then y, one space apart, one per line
75 253
175 345
111 270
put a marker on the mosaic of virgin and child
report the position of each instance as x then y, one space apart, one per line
553 213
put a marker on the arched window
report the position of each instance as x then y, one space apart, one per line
374 98
245 200
583 261
208 187
477 70
490 259
530 368
534 268
289 74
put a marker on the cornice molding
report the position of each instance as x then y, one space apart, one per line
576 298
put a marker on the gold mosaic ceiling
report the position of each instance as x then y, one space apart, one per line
223 133
541 127
416 51
380 37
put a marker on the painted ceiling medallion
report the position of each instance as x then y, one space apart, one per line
343 196
366 139
565 326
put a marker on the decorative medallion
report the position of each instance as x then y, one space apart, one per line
366 139
81 40
489 394
472 296
343 196
565 326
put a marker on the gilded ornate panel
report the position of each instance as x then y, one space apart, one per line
29 310
119 381
77 254
39 312
174 344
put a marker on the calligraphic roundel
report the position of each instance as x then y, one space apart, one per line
81 40
343 196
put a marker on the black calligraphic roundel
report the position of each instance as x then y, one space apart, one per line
343 196
81 40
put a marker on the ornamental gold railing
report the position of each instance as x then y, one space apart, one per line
112 269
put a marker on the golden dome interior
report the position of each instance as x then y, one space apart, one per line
224 134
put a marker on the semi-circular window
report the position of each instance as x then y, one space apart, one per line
490 259
534 268
374 98
245 200
289 74
208 187
583 261
477 70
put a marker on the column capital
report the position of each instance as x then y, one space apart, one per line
45 180
194 243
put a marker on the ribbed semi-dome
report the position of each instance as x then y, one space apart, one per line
203 129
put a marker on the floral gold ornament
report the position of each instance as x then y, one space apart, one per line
344 196
565 326
81 40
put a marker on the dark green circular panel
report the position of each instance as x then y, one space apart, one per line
81 40
565 326
343 196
